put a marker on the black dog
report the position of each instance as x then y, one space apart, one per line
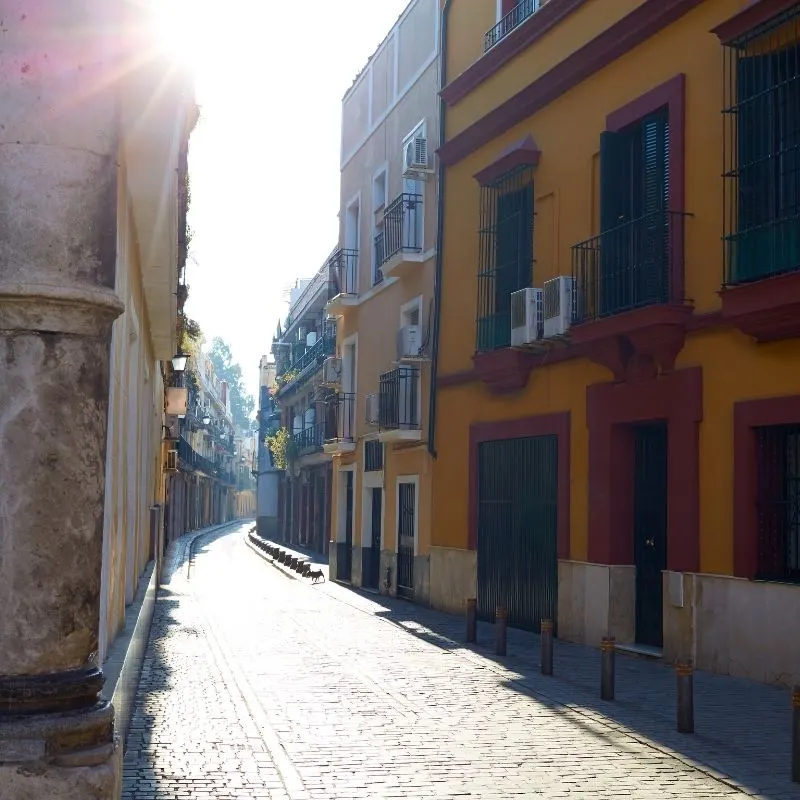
315 575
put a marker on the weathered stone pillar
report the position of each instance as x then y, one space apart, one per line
58 148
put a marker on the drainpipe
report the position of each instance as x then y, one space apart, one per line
437 280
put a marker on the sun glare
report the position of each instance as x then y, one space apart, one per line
179 29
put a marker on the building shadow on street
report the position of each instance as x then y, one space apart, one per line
742 728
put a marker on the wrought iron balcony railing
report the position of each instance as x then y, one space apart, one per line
513 19
310 439
309 359
341 417
402 226
193 460
626 267
380 256
398 401
343 271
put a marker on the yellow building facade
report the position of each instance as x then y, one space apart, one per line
157 115
382 291
616 409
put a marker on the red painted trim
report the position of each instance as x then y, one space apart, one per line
504 371
750 17
611 411
524 152
697 323
456 378
508 6
671 94
645 21
543 425
747 415
519 40
768 310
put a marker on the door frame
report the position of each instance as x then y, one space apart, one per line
611 411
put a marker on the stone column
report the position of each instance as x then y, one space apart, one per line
58 148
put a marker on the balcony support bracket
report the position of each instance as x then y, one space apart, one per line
637 344
768 310
504 371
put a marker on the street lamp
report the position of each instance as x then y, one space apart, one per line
179 361
206 419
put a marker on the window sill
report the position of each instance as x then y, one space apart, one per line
768 310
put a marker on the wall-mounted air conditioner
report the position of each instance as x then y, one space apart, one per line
332 372
408 342
527 316
557 305
415 158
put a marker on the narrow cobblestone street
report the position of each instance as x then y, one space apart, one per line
260 686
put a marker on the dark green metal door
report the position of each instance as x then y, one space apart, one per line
517 529
406 536
650 530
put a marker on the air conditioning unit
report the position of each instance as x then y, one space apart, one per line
408 342
171 461
172 430
526 316
373 409
415 158
332 371
558 294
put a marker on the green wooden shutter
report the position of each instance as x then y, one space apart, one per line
650 240
615 210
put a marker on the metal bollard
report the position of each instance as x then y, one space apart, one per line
685 678
607 652
472 620
500 628
546 646
796 734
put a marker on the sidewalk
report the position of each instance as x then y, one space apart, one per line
742 728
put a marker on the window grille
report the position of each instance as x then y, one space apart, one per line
506 253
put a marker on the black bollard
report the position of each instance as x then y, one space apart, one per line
500 628
685 678
796 734
607 652
547 647
472 620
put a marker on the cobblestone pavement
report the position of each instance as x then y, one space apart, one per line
257 685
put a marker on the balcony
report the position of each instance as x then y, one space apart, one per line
380 256
310 440
399 406
628 305
343 276
192 461
307 360
341 418
401 242
512 20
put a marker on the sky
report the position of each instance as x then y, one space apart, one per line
264 157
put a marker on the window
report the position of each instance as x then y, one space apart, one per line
632 251
778 502
506 253
373 455
762 174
